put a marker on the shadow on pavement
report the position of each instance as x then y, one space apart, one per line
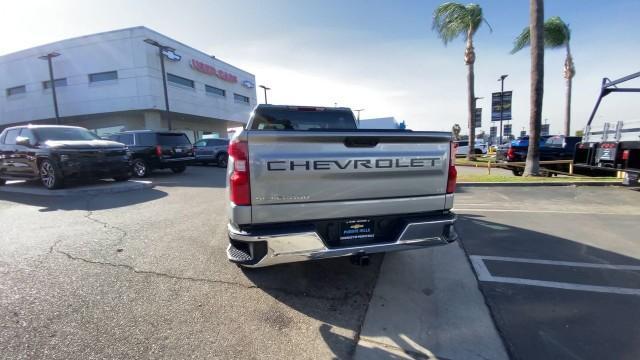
82 202
333 291
194 176
548 323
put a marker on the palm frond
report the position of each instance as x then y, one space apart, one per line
522 41
474 12
556 33
450 20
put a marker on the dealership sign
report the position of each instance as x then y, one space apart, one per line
478 117
501 106
171 54
210 70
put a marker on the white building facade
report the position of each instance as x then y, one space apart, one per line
112 81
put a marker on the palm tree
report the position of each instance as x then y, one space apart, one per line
451 20
557 34
536 18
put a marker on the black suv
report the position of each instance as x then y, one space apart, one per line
55 153
156 150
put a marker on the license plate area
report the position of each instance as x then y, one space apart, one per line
354 231
360 231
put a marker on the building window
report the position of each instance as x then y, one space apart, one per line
16 90
180 80
241 99
103 76
214 90
59 82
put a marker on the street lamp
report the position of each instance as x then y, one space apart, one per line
161 50
358 111
502 77
265 93
52 81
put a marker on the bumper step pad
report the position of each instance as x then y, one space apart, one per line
238 255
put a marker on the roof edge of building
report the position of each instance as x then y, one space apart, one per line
131 28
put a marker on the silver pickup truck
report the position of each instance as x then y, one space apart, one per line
304 183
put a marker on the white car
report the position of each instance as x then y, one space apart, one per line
462 147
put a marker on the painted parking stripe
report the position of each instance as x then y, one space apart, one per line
560 263
484 274
543 211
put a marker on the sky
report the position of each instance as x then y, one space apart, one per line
381 56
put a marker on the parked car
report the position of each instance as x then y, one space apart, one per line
212 150
156 150
305 183
463 147
557 147
53 154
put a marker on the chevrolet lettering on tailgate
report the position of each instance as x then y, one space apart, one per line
355 164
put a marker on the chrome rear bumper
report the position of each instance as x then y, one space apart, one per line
265 248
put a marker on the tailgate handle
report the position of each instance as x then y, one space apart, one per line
361 142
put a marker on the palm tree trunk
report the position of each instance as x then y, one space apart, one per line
569 72
567 108
471 112
471 103
532 165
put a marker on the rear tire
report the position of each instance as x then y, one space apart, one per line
50 175
179 169
2 182
140 168
222 160
517 172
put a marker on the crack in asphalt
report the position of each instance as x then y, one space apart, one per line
89 216
133 269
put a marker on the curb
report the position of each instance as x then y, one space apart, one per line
540 183
109 188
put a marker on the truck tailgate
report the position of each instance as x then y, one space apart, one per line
298 175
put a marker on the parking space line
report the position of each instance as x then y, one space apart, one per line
544 211
560 263
484 274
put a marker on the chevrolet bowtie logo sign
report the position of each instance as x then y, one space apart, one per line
357 226
171 55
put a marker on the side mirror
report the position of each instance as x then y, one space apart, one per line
24 141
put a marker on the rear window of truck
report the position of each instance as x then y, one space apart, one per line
303 119
173 139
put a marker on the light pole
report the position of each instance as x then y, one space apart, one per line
358 111
52 81
161 49
502 77
265 93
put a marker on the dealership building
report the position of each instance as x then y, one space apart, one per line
112 81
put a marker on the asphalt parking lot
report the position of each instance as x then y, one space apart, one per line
143 274
559 268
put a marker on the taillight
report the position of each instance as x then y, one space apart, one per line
625 155
511 154
239 187
452 175
159 150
